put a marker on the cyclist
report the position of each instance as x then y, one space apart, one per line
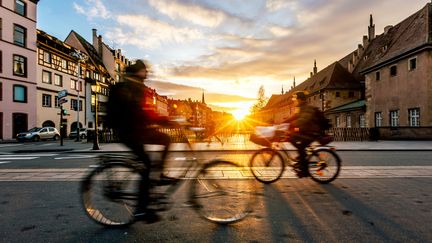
134 120
306 125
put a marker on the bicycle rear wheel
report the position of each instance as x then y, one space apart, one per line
110 194
324 165
267 165
221 194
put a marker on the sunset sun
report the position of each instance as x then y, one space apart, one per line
240 114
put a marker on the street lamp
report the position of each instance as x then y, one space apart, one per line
80 58
95 89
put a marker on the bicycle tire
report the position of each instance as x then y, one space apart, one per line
222 200
267 165
324 165
110 193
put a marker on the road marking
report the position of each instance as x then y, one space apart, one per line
348 172
17 158
77 157
4 162
28 155
9 145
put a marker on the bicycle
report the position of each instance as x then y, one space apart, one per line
110 191
268 164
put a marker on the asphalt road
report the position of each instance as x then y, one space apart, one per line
359 209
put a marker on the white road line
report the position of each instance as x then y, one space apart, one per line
28 155
77 157
10 145
4 162
17 158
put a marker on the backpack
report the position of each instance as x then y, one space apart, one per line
115 106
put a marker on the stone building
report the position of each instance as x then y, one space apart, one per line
17 67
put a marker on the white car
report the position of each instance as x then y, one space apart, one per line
82 133
38 133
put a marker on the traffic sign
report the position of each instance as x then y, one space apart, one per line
62 101
62 93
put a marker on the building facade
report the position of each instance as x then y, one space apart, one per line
58 70
18 78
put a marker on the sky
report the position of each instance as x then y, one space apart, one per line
225 48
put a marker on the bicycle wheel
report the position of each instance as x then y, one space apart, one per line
267 165
221 194
110 194
324 165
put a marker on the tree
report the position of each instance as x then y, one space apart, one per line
261 101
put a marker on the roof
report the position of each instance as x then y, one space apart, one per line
355 105
408 35
91 51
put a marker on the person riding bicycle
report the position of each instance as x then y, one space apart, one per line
306 125
134 121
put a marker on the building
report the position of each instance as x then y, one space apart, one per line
57 71
397 66
98 81
17 67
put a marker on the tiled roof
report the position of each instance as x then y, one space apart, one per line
411 33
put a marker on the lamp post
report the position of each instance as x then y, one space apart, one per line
80 57
95 89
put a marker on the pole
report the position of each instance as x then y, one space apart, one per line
78 103
96 133
61 125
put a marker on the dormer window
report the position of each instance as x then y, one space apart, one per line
384 48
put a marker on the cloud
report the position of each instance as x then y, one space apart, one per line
92 9
192 13
144 32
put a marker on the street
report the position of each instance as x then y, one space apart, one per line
379 196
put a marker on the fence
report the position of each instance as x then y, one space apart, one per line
350 134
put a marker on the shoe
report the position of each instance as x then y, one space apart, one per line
148 217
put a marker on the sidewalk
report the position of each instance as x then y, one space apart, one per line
71 146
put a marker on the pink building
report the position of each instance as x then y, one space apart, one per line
17 67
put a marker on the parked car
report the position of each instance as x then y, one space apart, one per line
82 133
39 133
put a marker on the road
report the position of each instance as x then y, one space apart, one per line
370 205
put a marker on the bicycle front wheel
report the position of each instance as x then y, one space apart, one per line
221 194
110 194
267 165
324 165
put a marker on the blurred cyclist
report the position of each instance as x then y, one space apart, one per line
306 125
135 122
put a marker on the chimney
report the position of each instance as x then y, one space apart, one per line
315 69
99 46
94 39
371 29
365 41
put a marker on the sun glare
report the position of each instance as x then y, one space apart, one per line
240 114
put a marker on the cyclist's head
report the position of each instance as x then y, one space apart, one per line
138 69
299 96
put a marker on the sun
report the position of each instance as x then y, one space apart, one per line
240 114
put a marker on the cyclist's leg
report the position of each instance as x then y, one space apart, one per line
154 136
301 144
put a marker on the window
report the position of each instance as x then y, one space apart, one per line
337 94
19 65
20 7
46 100
47 57
20 93
378 119
46 77
350 94
19 35
1 61
1 91
337 121
362 120
412 63
58 80
393 70
1 28
74 104
414 117
73 84
348 121
394 118
377 76
64 63
56 102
